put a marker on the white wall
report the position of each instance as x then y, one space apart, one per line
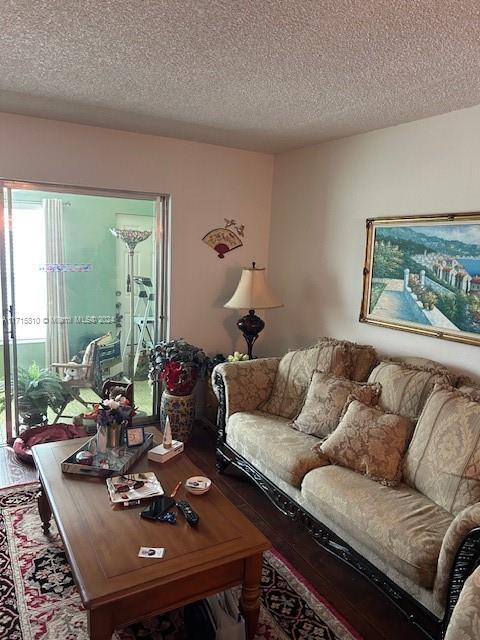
207 184
321 198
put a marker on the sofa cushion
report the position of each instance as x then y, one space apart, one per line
405 387
363 357
469 386
325 400
443 459
403 527
426 363
369 441
272 441
295 370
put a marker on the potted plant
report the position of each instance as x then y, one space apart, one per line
38 389
178 365
429 299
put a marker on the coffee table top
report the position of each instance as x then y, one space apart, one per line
102 542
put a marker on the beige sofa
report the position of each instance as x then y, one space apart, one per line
418 540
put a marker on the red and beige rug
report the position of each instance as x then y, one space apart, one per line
39 600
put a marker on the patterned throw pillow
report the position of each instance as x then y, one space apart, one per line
405 387
325 401
369 441
468 386
295 370
443 460
363 356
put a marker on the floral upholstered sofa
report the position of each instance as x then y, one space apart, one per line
380 460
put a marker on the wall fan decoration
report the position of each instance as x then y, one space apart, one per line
223 240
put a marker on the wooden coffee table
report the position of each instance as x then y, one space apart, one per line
102 543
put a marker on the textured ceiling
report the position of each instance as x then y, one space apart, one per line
256 74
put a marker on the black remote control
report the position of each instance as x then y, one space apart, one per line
190 515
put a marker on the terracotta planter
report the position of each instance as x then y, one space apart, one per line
181 412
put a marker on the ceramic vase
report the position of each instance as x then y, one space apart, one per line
181 413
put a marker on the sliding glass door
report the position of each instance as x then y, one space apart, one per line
84 298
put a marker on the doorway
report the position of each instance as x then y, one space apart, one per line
72 285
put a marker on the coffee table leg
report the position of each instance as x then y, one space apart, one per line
250 597
100 625
44 510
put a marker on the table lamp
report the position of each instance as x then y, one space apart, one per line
252 293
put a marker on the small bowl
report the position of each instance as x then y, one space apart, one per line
205 484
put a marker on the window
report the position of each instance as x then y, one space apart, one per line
30 277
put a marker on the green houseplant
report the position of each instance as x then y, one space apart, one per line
38 389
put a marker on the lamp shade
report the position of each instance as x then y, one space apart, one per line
131 237
253 292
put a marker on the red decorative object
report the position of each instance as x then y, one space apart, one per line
178 378
45 433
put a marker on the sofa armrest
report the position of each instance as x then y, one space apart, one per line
242 386
464 623
459 556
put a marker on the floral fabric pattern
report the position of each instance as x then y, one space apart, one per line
272 441
325 400
443 460
465 621
294 373
472 391
463 522
402 527
405 388
371 442
247 384
364 357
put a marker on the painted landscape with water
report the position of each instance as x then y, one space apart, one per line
426 275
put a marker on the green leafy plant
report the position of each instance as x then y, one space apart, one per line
429 299
38 389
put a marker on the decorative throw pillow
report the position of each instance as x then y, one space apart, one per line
443 459
405 387
325 401
468 386
363 357
369 441
295 370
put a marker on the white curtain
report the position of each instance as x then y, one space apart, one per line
57 335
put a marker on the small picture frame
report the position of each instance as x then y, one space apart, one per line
135 436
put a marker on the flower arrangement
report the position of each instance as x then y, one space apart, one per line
178 364
112 411
238 357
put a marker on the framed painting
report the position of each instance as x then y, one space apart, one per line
422 274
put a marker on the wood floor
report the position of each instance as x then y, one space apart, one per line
359 602
12 471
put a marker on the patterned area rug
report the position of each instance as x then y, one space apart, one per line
39 600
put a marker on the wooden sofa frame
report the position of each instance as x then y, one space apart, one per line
466 561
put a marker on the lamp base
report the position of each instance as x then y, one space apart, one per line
250 325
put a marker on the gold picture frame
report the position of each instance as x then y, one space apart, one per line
422 274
